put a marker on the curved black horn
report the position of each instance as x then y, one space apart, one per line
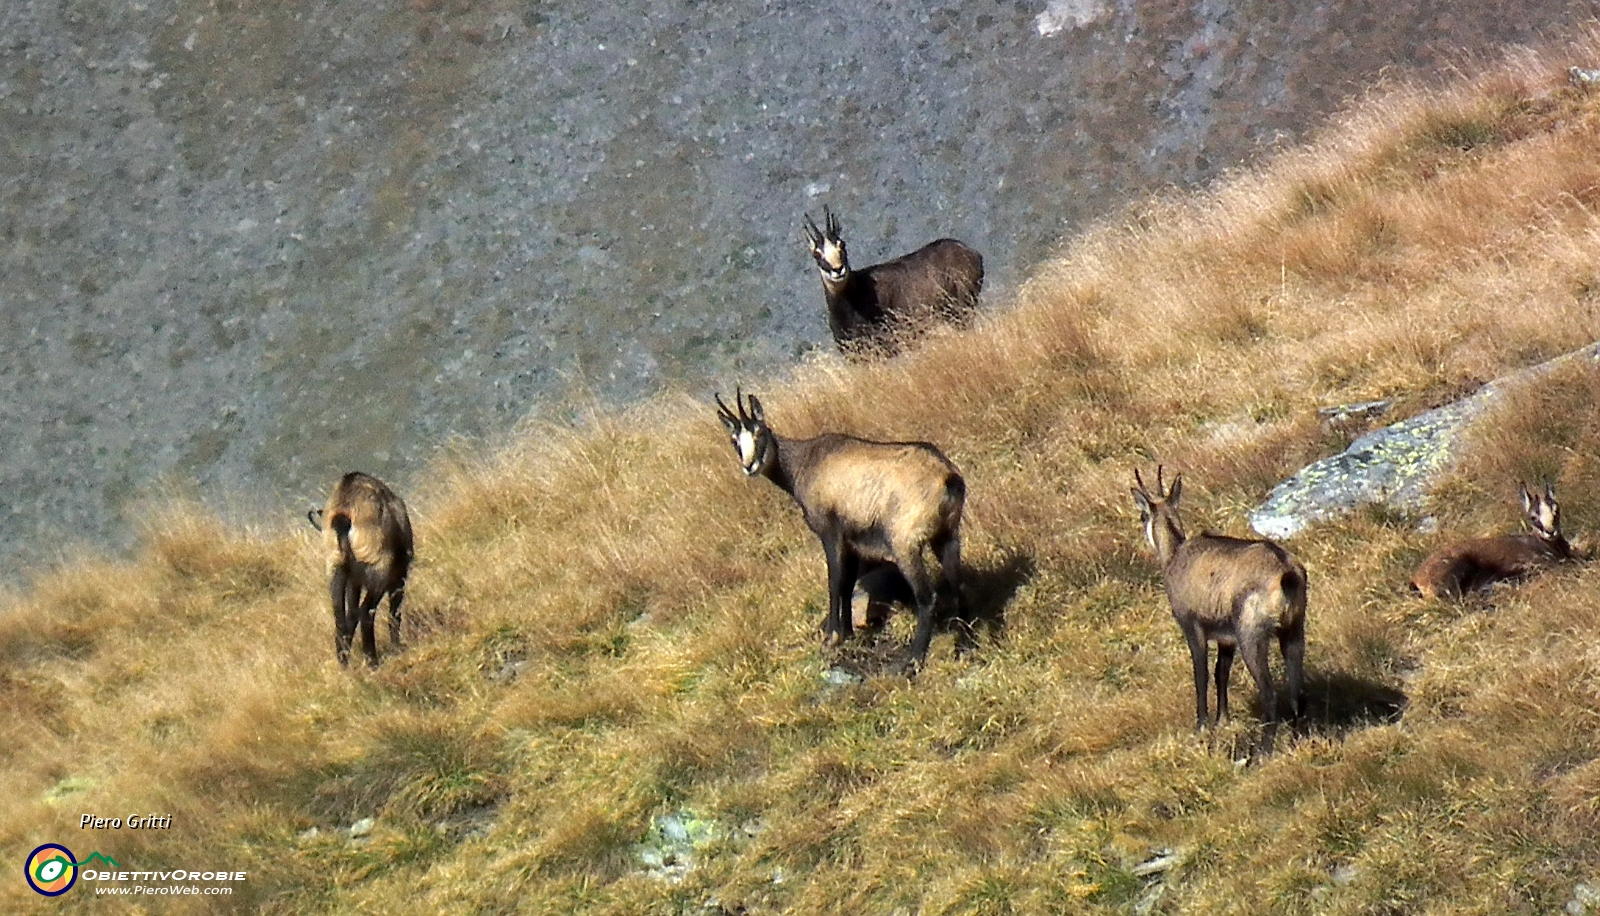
813 234
831 221
1140 481
1161 488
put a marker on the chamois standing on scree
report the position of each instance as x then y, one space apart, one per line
366 538
873 310
1467 566
1239 593
870 503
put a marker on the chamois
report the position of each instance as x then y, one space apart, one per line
873 310
870 503
367 542
1239 593
1467 566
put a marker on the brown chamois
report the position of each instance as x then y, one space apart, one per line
875 310
366 538
1239 593
870 503
1467 566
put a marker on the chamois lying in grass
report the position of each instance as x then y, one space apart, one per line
875 310
366 539
1238 593
1467 566
869 503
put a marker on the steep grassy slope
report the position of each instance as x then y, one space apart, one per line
611 625
228 229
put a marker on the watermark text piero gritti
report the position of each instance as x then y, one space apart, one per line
131 822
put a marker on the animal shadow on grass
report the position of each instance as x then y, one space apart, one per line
1337 703
985 592
1334 704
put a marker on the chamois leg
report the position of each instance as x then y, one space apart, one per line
916 573
1197 659
1257 658
369 613
1224 668
843 565
883 584
338 591
877 614
948 550
1292 642
395 597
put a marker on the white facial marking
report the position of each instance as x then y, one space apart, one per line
745 442
831 257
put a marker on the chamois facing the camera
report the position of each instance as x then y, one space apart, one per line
875 310
870 503
366 539
1237 593
1468 566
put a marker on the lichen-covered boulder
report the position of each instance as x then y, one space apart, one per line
1394 466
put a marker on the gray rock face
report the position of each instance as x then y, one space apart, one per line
247 247
1393 466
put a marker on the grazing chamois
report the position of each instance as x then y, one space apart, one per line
1238 593
874 310
871 504
366 538
1467 566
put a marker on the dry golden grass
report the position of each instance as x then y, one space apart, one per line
610 624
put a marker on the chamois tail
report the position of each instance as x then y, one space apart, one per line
955 496
1293 586
340 523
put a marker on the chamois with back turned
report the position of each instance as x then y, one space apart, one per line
1467 566
874 310
1235 592
870 503
366 540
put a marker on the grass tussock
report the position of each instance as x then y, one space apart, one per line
610 628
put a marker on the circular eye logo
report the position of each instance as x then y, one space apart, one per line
51 870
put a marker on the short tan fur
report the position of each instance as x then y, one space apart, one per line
1237 593
869 503
367 544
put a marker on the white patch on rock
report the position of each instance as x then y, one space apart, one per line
1061 15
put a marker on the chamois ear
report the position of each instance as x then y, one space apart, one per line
756 413
1175 491
1527 498
1549 489
1145 509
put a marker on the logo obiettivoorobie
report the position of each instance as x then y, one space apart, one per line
51 870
